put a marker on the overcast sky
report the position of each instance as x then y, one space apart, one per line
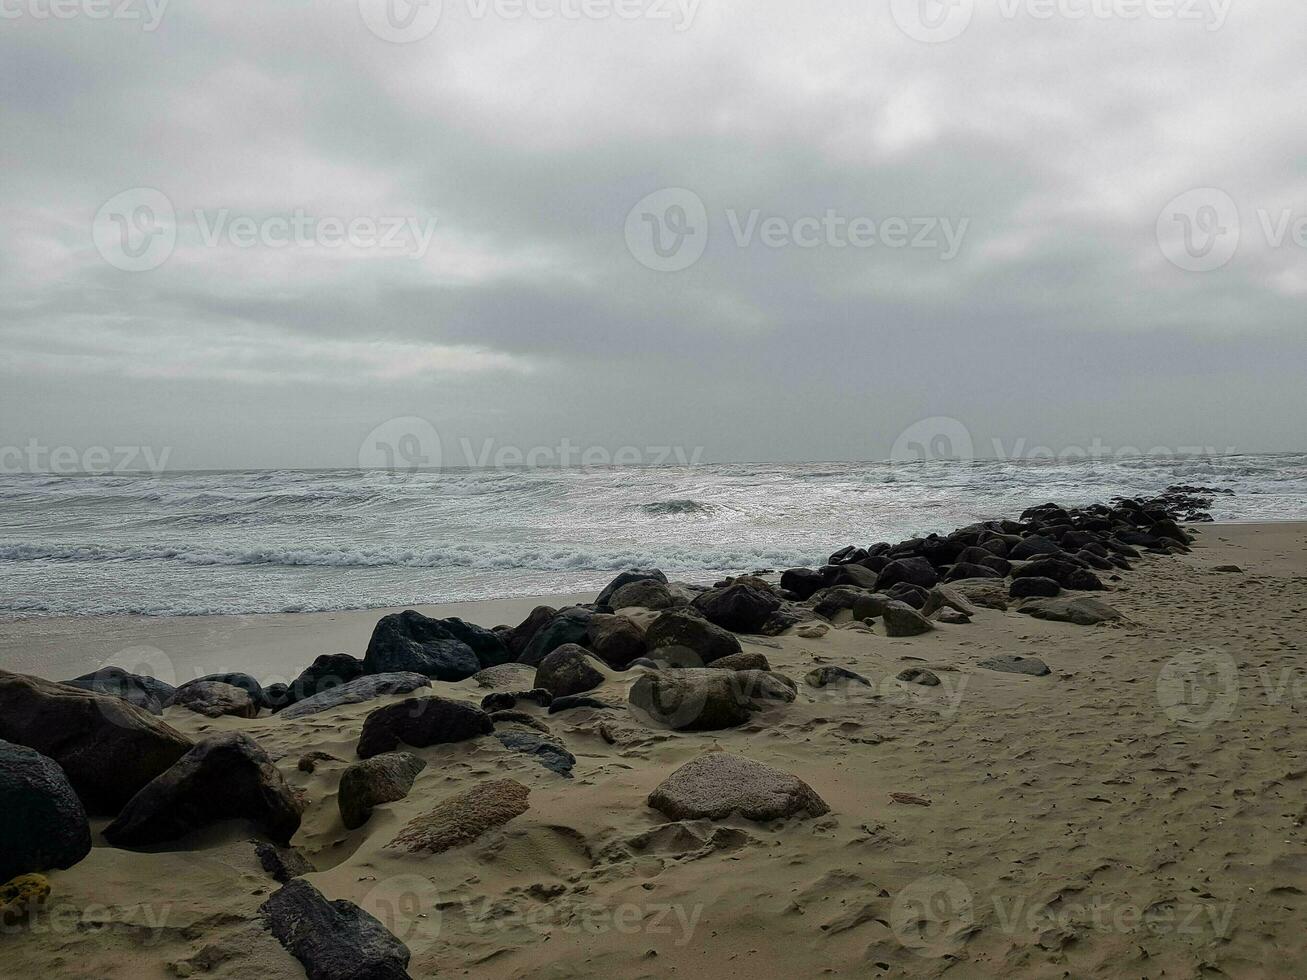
985 215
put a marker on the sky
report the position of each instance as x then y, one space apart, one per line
310 233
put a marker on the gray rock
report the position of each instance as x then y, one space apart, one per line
686 636
569 626
214 699
367 784
409 642
717 785
1032 666
943 597
902 620
919 675
421 722
328 671
616 640
706 699
245 682
225 777
644 594
547 751
107 748
626 578
521 635
752 660
826 676
146 693
333 940
951 617
1081 610
356 692
568 670
42 822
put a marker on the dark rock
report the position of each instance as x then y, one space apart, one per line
245 682
913 571
507 700
645 594
489 646
569 626
42 822
626 578
574 701
1034 546
913 595
421 722
108 749
568 670
356 692
225 777
707 699
951 617
283 863
409 642
826 676
333 940
803 582
965 569
717 785
547 751
752 660
1024 588
327 671
681 631
520 636
1032 666
1064 570
902 620
146 693
213 699
919 675
616 640
380 779
855 574
739 608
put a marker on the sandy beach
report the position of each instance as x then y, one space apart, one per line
1079 824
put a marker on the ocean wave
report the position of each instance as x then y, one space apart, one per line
677 507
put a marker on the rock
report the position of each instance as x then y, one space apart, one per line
1017 665
626 578
356 692
409 642
902 620
333 940
421 722
984 592
569 626
283 863
644 594
707 699
812 631
463 818
942 597
1025 588
1033 546
522 634
1227 568
568 670
107 748
507 700
717 785
519 718
328 671
803 582
245 682
679 632
573 701
952 617
488 646
919 675
547 751
21 897
742 661
310 761
1081 610
913 571
739 608
225 777
367 784
912 595
826 676
514 676
964 570
146 693
214 699
856 575
43 824
1065 571
616 640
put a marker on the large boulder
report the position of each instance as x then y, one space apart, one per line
679 631
913 571
740 608
108 749
42 822
489 646
326 672
333 940
568 670
626 578
421 722
616 640
356 692
505 676
693 700
245 682
225 777
213 699
1034 546
569 626
1034 587
1081 610
902 620
147 693
987 593
367 784
522 634
802 582
461 819
1066 571
409 642
717 785
643 594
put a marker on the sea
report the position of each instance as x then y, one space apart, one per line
271 541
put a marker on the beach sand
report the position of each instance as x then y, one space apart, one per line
1080 824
